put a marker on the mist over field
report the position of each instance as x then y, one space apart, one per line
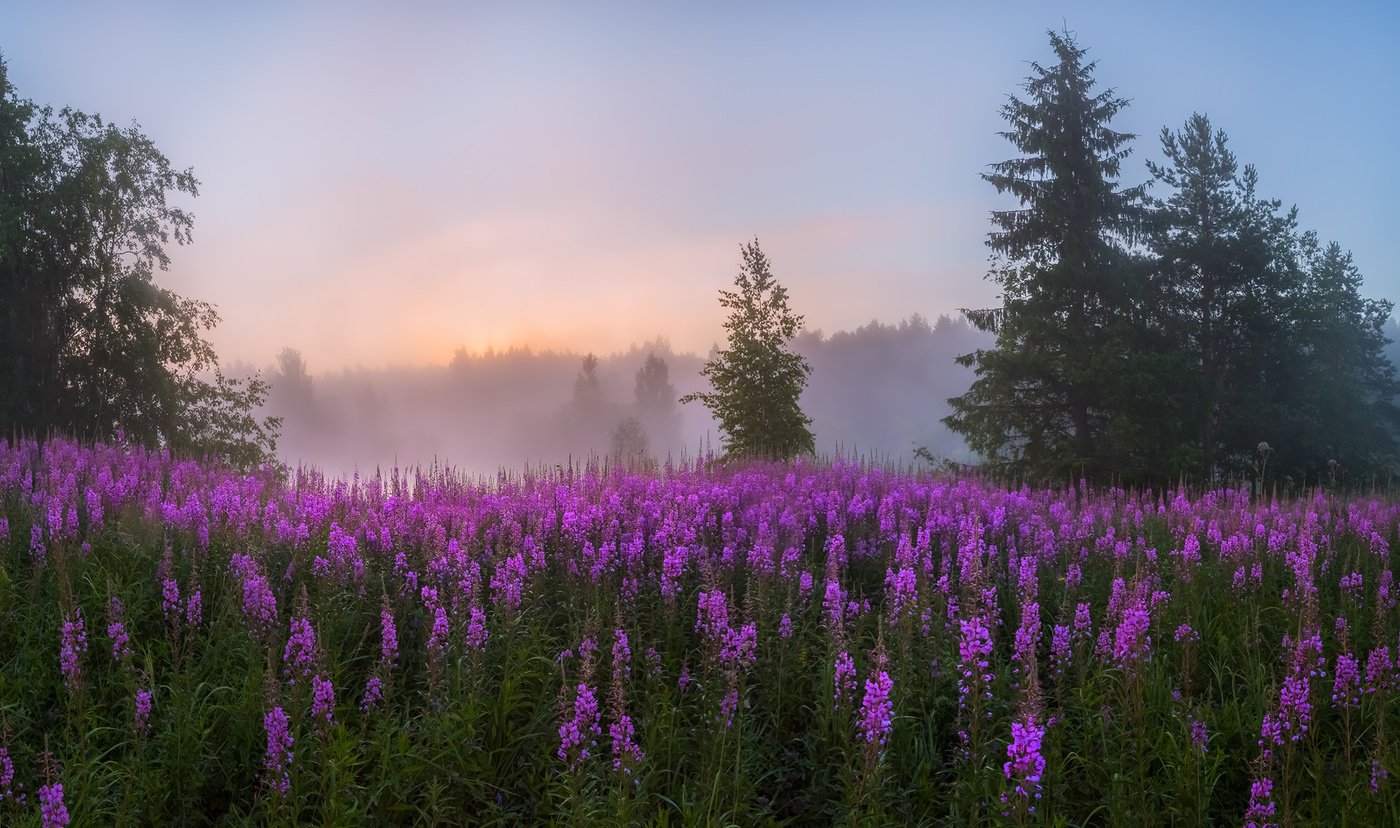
878 391
468 414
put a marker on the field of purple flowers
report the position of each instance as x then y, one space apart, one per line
704 644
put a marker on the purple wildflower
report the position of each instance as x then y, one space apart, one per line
278 760
673 565
832 604
727 708
476 630
374 692
1295 708
1027 638
627 755
577 734
1198 735
1131 644
844 678
7 775
1261 804
712 615
37 551
322 698
740 646
1083 624
876 709
1307 654
508 582
1240 582
388 636
437 637
1024 764
170 605
299 656
974 665
1073 577
116 630
1289 722
1189 556
901 592
1378 670
259 604
71 649
53 813
1346 686
194 609
142 717
1353 587
586 648
621 657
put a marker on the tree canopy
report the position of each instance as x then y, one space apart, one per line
1146 337
90 345
757 378
1043 397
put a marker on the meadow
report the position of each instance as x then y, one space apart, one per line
701 644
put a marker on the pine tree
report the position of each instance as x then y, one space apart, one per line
1345 401
757 380
1225 293
1049 398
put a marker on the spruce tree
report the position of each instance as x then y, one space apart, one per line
1050 397
1225 291
1344 404
757 379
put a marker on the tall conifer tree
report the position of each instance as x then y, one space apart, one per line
1225 291
1047 399
1343 408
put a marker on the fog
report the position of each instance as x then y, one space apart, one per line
878 391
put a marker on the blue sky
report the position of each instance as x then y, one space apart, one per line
385 185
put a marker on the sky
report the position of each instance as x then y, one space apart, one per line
382 186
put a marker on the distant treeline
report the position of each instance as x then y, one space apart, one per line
878 391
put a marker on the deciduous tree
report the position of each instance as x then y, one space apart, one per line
89 343
757 378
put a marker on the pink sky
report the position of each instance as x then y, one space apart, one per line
383 186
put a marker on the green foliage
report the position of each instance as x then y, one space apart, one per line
479 743
1342 406
1282 348
757 379
1042 400
1144 339
89 343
